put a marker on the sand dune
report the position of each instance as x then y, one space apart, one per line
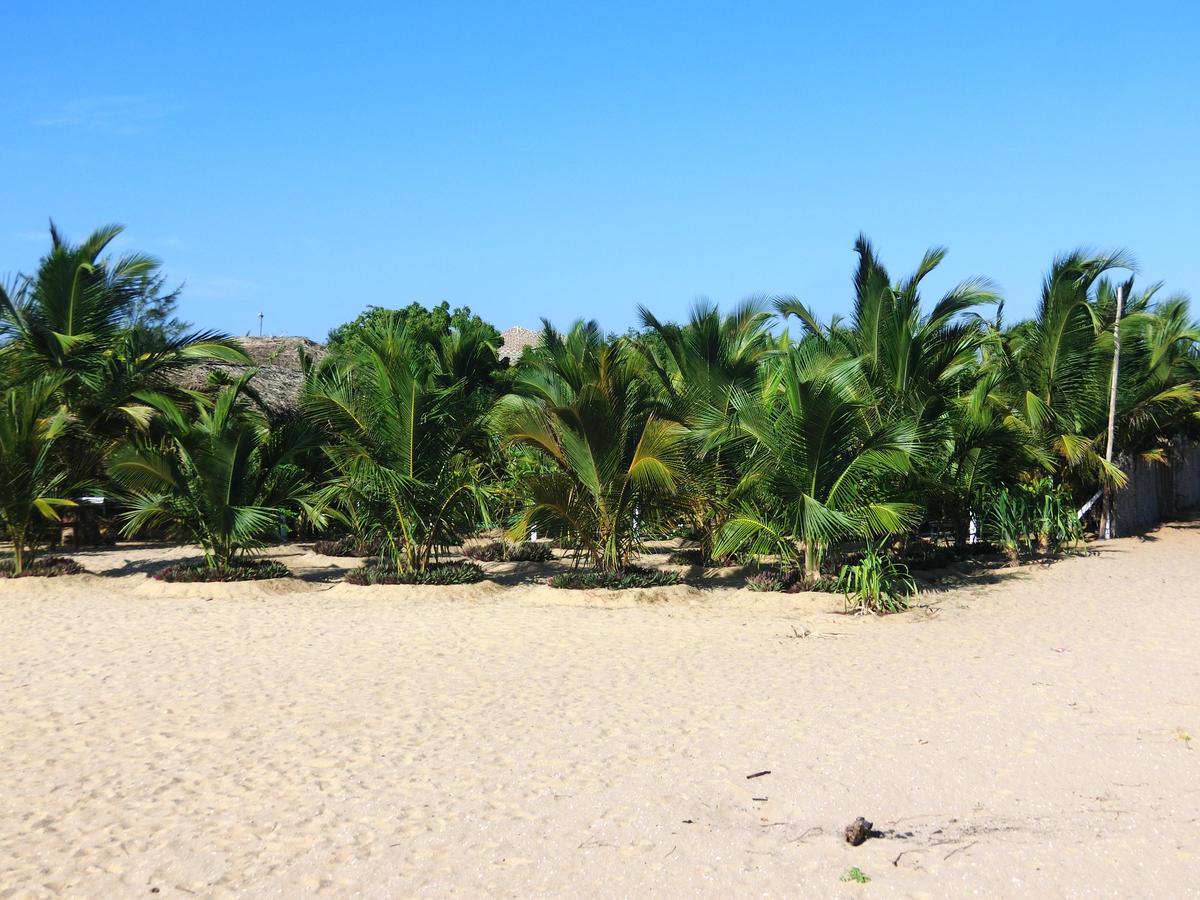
302 736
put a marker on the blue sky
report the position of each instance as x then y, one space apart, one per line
575 160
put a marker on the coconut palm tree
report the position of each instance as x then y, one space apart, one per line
213 471
698 368
584 404
921 366
406 439
33 482
822 468
1052 375
76 320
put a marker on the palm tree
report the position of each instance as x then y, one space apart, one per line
1052 375
821 468
214 471
33 483
75 320
922 366
699 367
584 404
406 439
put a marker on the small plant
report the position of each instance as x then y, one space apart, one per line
257 570
1053 521
507 551
348 545
855 874
434 574
1008 521
43 567
789 582
876 583
615 581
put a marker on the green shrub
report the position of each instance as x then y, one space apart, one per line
615 581
507 551
257 570
435 574
45 567
876 583
773 580
348 545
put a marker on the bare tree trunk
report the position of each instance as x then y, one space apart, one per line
1107 532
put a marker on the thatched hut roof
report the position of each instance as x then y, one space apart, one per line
515 340
277 359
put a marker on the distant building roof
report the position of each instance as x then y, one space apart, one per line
514 341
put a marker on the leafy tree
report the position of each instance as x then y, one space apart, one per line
214 471
424 326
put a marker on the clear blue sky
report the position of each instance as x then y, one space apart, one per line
575 160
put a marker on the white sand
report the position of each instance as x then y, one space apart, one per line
1027 737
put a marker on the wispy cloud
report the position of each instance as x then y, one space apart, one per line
109 114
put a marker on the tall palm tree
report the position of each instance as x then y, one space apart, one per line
583 403
406 439
215 471
921 366
33 482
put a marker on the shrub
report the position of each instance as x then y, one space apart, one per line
506 551
615 581
347 545
877 584
435 574
792 582
45 567
256 570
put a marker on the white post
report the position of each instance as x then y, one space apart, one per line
1112 410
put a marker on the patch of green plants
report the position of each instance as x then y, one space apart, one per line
44 567
615 581
1033 517
434 574
256 570
347 545
856 875
876 583
507 551
789 582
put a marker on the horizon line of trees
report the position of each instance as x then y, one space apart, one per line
763 432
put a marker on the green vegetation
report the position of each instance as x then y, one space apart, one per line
629 577
246 570
766 436
506 551
33 482
437 573
214 472
856 875
876 583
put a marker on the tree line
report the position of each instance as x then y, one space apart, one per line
764 432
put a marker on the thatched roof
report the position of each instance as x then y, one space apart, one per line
279 380
515 340
277 359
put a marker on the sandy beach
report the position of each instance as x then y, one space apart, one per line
1033 733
